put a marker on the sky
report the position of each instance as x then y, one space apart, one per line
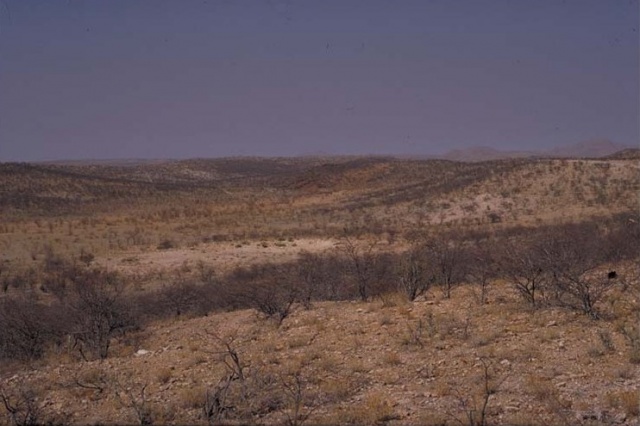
98 79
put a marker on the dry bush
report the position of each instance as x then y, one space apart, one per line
572 257
270 289
28 327
322 278
362 262
413 335
336 390
414 274
523 266
183 296
631 331
622 239
193 398
274 300
99 311
543 391
242 392
483 268
92 382
447 259
21 406
474 407
374 409
301 403
135 398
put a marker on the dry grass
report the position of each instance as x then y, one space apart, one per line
387 360
375 380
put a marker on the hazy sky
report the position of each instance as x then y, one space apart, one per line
177 79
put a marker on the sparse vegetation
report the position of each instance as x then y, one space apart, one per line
384 288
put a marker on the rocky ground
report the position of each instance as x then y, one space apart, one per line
431 361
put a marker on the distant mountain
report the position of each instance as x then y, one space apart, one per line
587 149
625 154
484 153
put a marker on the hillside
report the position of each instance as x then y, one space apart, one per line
385 362
596 148
188 202
351 290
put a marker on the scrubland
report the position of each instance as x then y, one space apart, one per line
342 290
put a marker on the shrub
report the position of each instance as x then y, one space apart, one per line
166 245
27 327
269 289
448 260
572 257
99 311
414 277
22 406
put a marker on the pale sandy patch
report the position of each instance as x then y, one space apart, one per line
221 255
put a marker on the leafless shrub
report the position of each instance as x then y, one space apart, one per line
326 277
573 257
242 392
216 403
300 406
59 275
21 406
414 334
447 257
523 265
135 401
22 280
414 277
95 379
631 331
99 312
482 269
270 289
362 262
183 296
27 327
475 407
622 239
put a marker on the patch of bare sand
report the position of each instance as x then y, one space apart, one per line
223 255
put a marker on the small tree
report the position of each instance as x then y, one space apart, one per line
362 263
27 327
22 407
414 278
482 269
270 290
311 274
99 311
301 405
136 401
183 295
524 267
475 408
448 259
573 256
